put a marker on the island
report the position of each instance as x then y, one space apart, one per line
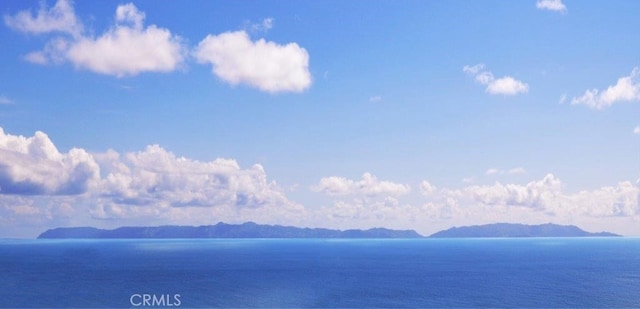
517 230
223 230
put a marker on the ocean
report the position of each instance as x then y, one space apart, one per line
321 273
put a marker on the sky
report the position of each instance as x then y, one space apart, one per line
415 115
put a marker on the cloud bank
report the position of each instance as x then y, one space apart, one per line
44 186
506 85
153 183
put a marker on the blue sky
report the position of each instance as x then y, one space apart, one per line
342 114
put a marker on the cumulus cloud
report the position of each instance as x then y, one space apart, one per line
155 176
546 197
151 183
369 185
426 188
506 85
268 66
60 18
535 202
34 166
41 184
636 130
551 5
128 48
627 89
532 195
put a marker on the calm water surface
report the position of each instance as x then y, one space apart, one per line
537 272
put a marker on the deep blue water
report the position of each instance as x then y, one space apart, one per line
539 272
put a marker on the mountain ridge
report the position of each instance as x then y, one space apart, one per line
223 230
253 230
514 230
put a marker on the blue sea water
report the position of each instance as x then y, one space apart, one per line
536 272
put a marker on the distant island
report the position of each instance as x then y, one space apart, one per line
253 230
223 230
517 230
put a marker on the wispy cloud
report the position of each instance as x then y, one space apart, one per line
627 89
261 27
5 100
636 130
375 98
512 171
468 180
506 85
268 66
551 5
516 171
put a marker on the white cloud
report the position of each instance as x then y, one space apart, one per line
531 195
545 198
636 130
152 184
34 166
54 51
427 188
267 66
551 5
126 49
129 48
627 89
156 176
492 171
5 100
506 85
41 185
60 18
369 185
